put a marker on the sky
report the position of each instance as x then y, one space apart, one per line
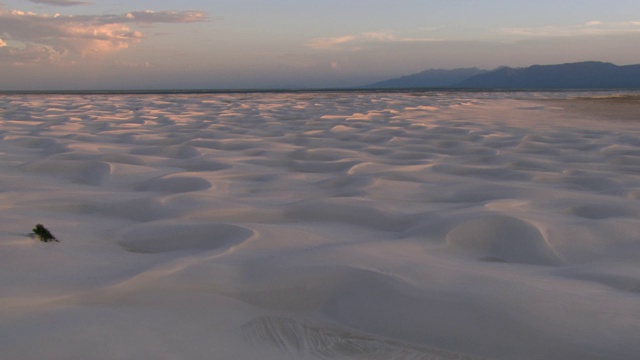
239 44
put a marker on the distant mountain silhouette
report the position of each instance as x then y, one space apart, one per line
432 78
580 75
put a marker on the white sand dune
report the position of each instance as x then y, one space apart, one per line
320 226
502 238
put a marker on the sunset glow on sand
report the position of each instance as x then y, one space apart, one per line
228 180
314 225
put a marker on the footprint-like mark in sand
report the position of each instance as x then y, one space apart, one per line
302 338
502 238
156 238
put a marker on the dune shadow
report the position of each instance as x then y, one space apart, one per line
162 238
174 184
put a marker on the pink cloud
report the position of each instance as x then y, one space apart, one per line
61 2
358 41
28 55
84 35
591 28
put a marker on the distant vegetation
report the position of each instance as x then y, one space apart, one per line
44 234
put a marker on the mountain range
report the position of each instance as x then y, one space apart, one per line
580 75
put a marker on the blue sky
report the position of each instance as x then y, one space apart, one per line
91 44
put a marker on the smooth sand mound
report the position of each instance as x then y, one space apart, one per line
161 238
174 184
82 171
502 238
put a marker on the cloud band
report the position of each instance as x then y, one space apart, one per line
32 37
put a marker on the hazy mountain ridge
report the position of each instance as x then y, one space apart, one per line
580 75
430 78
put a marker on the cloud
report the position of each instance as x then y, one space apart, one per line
358 41
61 2
84 35
331 42
150 17
591 28
133 65
28 55
60 34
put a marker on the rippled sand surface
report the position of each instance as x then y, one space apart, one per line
320 225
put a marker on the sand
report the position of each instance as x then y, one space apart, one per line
320 225
601 106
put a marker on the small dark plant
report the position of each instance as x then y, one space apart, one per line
44 234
